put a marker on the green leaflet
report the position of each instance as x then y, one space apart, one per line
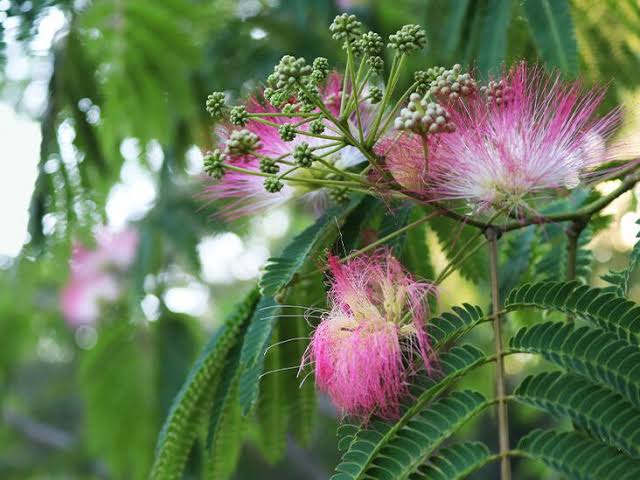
181 426
493 39
279 271
415 254
272 410
577 456
227 424
256 341
445 328
552 28
605 415
455 462
422 427
609 311
453 237
620 279
593 353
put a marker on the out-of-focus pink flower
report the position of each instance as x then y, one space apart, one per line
245 194
405 159
364 347
529 132
94 275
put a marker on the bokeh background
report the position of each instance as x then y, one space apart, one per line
102 121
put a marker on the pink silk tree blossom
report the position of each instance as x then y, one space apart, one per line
363 347
529 132
94 275
244 193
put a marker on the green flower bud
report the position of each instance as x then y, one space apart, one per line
423 117
243 142
213 164
408 39
375 94
372 44
320 69
269 165
449 85
289 71
345 27
425 79
239 116
215 104
339 195
317 126
303 155
273 184
376 64
287 132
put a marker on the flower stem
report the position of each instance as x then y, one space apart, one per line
503 421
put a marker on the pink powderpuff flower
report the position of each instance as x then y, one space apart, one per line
404 159
94 275
528 133
364 346
245 194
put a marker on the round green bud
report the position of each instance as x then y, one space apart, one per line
273 184
289 71
375 94
269 165
345 27
450 85
376 64
372 44
424 79
239 116
243 142
408 39
303 155
215 104
213 164
287 132
320 69
339 195
317 126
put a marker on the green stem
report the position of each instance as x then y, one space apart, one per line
393 74
503 421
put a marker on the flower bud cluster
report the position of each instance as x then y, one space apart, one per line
375 94
345 27
409 39
213 164
273 184
287 132
317 126
424 79
243 142
215 104
320 70
303 155
239 116
422 117
269 165
497 92
452 84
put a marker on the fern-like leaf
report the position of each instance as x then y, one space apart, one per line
455 462
448 326
609 311
279 271
396 450
620 279
595 409
590 352
256 341
181 426
577 456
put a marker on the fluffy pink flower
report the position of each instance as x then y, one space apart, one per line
93 275
245 194
528 133
363 347
404 156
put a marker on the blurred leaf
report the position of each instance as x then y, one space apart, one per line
552 28
492 43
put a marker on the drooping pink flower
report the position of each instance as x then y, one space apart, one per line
529 132
363 348
245 194
405 159
94 277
